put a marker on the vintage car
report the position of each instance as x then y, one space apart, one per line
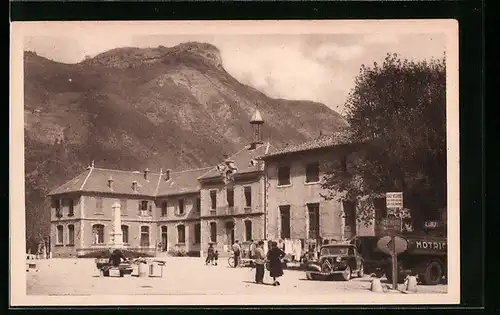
336 260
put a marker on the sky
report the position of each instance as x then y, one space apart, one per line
318 67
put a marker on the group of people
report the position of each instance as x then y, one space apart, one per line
272 260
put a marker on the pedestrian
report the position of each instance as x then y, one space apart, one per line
274 256
253 246
216 257
259 257
236 253
116 258
210 254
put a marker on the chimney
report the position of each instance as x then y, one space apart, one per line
111 183
167 175
146 173
134 185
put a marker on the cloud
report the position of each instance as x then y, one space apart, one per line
343 53
280 71
381 38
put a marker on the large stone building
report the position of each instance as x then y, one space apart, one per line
258 193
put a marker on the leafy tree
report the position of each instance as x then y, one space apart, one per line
398 111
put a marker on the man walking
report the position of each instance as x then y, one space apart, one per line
259 257
253 246
236 251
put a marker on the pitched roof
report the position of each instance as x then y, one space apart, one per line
181 182
96 180
245 161
339 138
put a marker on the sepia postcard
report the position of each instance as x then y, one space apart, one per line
234 163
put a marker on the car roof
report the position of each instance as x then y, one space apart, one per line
338 245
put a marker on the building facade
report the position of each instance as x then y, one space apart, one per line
259 193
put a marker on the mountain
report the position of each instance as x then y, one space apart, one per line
132 108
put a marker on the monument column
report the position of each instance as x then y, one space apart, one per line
117 234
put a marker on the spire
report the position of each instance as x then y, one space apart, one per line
256 121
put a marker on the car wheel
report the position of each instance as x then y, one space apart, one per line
361 272
346 275
309 276
433 273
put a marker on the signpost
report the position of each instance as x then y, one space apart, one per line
392 226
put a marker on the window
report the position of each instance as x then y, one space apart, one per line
60 235
71 234
213 199
248 196
144 236
143 208
123 207
350 217
248 230
283 175
180 209
197 233
313 211
181 234
125 234
57 207
98 205
164 238
213 232
312 172
164 208
230 197
198 205
98 233
285 221
71 205
343 163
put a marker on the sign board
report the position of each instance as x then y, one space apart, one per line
391 225
431 224
394 200
385 244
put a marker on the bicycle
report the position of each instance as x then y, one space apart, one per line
242 262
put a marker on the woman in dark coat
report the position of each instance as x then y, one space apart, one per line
274 256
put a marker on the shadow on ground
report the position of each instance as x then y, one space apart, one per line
253 282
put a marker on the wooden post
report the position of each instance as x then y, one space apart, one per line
394 263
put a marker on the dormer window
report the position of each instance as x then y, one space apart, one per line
312 172
56 204
284 175
143 208
134 186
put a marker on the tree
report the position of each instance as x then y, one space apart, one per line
398 111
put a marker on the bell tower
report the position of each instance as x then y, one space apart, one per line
256 123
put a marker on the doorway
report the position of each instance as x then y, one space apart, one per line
230 233
164 239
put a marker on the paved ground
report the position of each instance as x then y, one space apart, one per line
182 276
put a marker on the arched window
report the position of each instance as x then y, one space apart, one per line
213 232
71 234
60 235
125 234
248 230
144 236
181 234
98 233
197 233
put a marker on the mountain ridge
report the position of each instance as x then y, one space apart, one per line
136 108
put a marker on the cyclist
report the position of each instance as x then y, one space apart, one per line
236 253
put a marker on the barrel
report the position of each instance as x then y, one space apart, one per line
143 270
